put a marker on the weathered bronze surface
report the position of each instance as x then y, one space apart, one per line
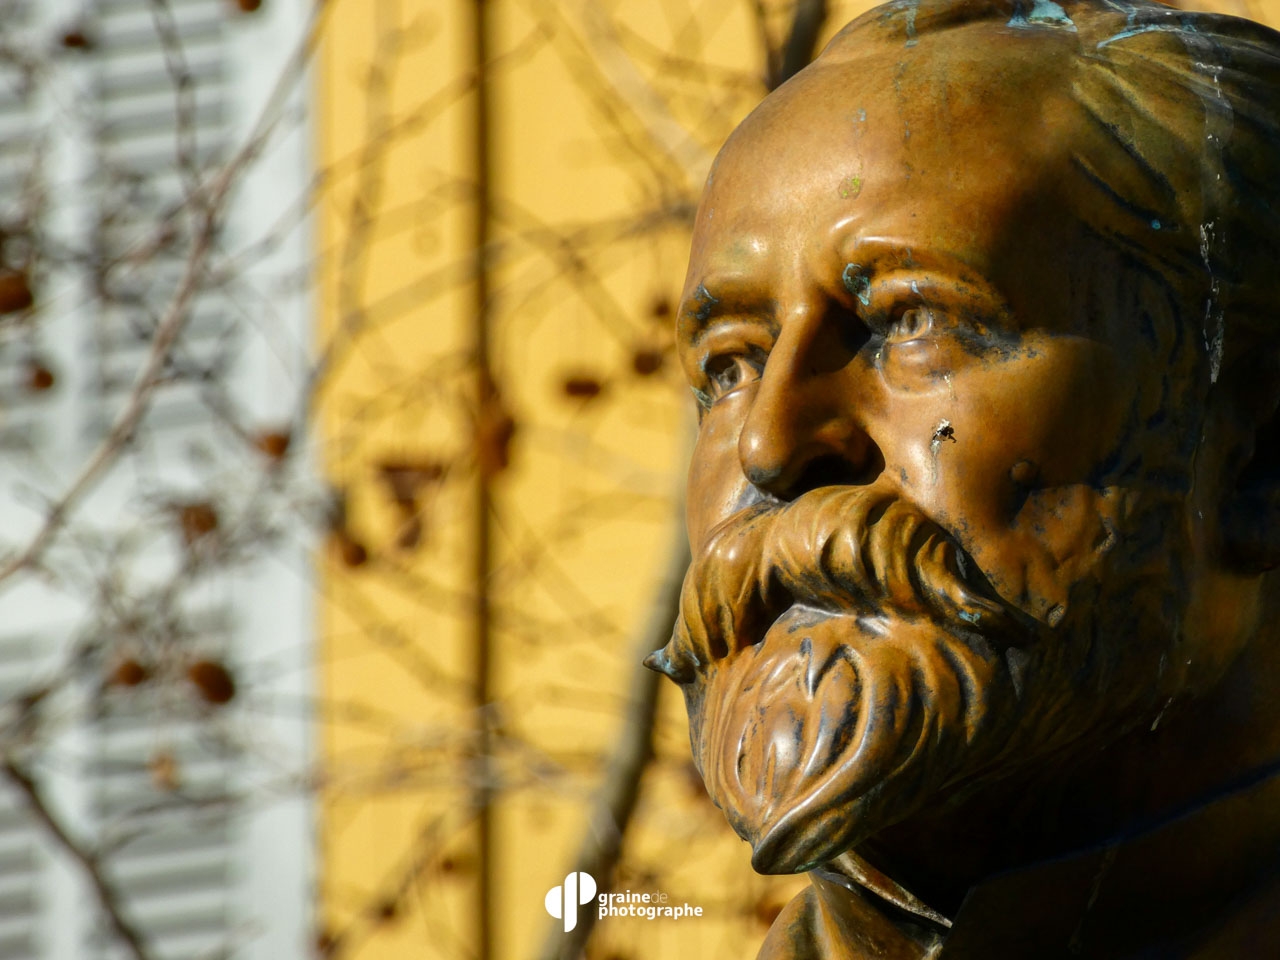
982 317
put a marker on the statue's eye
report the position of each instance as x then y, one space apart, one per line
728 372
912 324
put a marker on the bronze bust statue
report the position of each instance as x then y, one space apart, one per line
981 630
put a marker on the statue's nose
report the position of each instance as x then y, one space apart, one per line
802 430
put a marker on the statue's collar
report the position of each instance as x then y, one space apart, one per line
1166 884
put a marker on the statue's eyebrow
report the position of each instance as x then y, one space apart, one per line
868 261
723 297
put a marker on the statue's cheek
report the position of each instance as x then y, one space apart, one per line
717 488
1056 542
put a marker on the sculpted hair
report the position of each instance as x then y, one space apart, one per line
1181 148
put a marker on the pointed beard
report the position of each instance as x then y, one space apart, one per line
830 727
846 665
839 664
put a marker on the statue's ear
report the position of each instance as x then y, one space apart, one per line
1250 520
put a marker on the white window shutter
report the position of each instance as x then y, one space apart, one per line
210 878
23 395
21 873
150 145
163 781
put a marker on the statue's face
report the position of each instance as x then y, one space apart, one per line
939 502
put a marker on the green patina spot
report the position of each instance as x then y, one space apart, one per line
850 187
857 283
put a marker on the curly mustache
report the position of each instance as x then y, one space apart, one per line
842 659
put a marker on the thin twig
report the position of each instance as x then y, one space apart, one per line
171 324
615 802
615 77
108 897
167 332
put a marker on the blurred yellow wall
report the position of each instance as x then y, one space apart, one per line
606 115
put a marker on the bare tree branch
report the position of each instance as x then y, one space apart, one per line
772 55
646 104
108 898
660 113
616 799
176 315
802 41
126 422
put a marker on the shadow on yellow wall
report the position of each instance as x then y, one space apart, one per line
605 118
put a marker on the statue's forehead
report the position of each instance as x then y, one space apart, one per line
979 82
855 147
982 181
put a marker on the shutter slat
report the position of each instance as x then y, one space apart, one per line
176 878
22 411
138 143
20 861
